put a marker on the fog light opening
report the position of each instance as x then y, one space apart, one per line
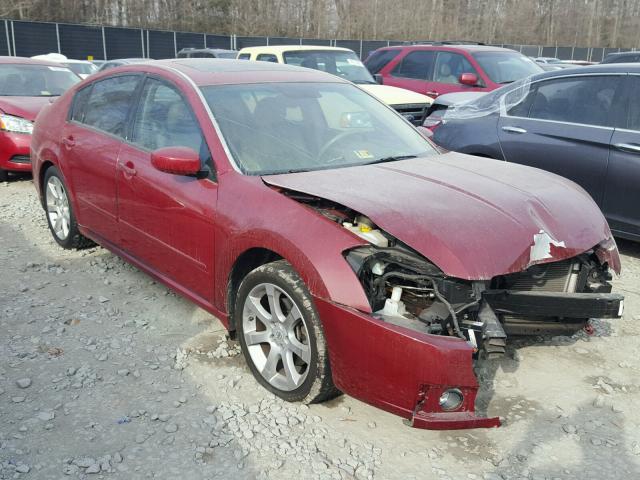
451 399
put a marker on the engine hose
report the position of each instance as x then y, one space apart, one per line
436 292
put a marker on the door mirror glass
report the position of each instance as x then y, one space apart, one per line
470 79
176 160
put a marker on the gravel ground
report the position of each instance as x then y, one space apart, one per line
105 373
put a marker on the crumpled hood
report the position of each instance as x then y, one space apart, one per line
474 218
25 107
396 96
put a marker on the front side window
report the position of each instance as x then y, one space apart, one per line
586 100
23 80
267 57
108 105
285 127
450 66
345 64
164 119
506 66
633 107
378 60
417 65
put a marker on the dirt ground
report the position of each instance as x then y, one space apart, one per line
105 373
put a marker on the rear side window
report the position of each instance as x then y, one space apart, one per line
633 107
267 57
379 59
108 104
79 106
585 100
244 56
417 65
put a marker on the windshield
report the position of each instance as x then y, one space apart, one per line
287 127
343 64
506 67
81 68
18 80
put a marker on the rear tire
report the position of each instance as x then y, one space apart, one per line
281 335
4 175
59 212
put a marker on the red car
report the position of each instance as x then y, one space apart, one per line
26 85
434 69
344 251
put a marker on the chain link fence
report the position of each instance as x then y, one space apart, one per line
26 39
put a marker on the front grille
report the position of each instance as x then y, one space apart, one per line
414 112
20 159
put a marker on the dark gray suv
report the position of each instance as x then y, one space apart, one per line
583 124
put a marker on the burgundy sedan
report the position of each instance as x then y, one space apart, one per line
345 252
26 85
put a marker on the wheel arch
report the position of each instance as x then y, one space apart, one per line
245 262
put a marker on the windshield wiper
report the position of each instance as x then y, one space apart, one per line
365 82
390 159
507 81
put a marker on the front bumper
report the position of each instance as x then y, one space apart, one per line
400 370
555 304
14 151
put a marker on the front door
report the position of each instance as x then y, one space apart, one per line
91 144
414 72
167 221
563 126
621 203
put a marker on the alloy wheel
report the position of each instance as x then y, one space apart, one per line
276 336
58 208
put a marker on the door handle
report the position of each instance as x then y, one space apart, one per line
128 169
69 141
513 129
433 93
628 147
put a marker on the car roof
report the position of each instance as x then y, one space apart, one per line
290 48
622 54
27 61
602 68
449 46
218 71
206 49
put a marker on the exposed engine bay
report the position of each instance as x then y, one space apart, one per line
405 289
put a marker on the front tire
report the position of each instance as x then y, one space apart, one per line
281 335
59 211
4 175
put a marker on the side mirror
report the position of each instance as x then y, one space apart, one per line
176 160
470 79
378 78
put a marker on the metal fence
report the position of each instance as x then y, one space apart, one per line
26 39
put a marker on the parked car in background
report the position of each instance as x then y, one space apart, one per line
206 53
26 85
120 62
622 57
345 64
549 64
582 124
314 221
82 68
434 69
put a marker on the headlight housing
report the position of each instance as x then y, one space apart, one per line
9 123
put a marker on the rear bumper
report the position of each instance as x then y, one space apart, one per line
555 304
399 370
14 152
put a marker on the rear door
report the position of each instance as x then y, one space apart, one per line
622 194
563 125
167 221
413 72
91 144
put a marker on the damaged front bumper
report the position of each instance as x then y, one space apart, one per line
400 370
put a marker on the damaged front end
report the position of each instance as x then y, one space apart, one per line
426 328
